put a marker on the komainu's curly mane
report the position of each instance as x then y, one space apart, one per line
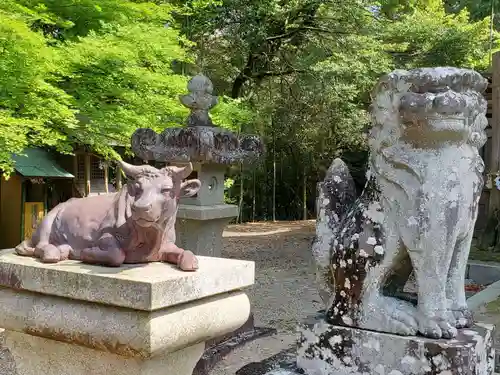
416 213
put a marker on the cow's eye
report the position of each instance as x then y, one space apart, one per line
137 188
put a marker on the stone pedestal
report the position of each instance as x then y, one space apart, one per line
201 219
199 228
71 318
332 350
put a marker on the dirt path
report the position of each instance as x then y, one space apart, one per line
284 286
284 292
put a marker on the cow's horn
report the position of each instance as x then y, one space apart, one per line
182 172
186 171
129 169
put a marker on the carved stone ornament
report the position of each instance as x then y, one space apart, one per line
134 225
416 213
201 140
199 100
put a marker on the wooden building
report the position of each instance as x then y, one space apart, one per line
38 184
93 176
41 181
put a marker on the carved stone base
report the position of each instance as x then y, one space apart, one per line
332 350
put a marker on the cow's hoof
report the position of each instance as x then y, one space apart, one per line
50 254
187 261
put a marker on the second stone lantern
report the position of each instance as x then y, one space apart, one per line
201 219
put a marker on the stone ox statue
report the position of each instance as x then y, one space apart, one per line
134 225
416 213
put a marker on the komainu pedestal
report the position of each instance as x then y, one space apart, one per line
335 350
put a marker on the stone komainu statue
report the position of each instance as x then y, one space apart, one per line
416 213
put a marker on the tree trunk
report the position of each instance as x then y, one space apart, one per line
304 195
274 173
253 198
242 191
274 187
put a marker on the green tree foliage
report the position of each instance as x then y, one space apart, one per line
32 109
478 9
299 73
426 35
307 68
91 72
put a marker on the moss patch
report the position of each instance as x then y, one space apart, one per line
493 306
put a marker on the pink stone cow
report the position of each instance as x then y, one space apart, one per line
134 225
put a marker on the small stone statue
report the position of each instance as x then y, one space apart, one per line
416 213
134 225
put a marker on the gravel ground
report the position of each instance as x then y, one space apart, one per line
284 292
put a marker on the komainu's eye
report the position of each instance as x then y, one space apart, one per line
165 190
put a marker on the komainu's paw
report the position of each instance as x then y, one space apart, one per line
463 317
187 261
388 314
436 328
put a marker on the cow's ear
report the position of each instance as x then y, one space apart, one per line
190 188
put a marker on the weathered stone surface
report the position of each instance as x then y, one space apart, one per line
145 287
199 100
283 363
201 140
196 144
125 332
336 194
36 355
208 228
69 318
212 188
337 350
416 213
7 364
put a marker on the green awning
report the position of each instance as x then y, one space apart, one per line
35 162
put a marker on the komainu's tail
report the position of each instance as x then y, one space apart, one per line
336 195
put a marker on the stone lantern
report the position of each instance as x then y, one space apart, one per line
201 219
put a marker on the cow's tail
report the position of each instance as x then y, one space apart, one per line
336 195
41 235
